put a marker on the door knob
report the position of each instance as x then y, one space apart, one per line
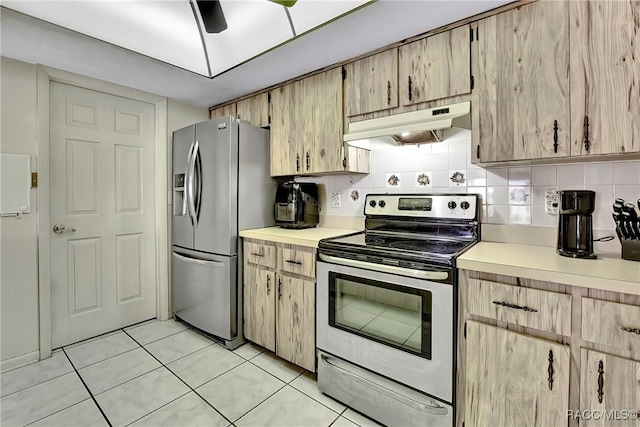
60 228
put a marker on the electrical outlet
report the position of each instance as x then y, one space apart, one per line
551 201
335 200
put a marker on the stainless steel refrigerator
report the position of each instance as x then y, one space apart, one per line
221 185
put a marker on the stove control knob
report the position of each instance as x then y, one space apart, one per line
382 203
452 204
372 203
465 205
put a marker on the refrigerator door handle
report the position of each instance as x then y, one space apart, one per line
197 178
189 190
198 261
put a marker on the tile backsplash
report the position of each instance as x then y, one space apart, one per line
510 195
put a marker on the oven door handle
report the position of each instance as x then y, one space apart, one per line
419 274
434 408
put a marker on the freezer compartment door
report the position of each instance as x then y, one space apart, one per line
204 291
181 185
216 175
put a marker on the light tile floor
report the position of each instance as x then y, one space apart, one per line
166 374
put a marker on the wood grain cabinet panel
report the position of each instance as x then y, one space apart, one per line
259 293
297 260
605 77
435 67
532 308
227 110
609 384
514 379
255 110
258 253
610 323
372 83
521 93
295 327
285 135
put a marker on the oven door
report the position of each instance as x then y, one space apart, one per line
397 326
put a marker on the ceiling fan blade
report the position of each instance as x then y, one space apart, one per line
212 16
285 3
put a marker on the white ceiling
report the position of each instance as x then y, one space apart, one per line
375 25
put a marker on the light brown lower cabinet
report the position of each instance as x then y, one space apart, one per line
514 380
279 306
609 390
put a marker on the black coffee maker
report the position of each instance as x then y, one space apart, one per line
575 224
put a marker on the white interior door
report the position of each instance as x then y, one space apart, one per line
102 190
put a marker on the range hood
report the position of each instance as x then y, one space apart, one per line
415 127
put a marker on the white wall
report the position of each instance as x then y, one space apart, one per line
19 256
18 237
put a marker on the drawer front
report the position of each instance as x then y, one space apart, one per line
532 308
260 254
611 323
297 260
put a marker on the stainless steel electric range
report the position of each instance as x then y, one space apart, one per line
386 302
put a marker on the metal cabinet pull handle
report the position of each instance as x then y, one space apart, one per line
587 143
409 86
291 261
388 92
550 370
308 160
268 284
517 307
60 228
555 136
632 330
279 288
600 381
255 254
297 162
478 151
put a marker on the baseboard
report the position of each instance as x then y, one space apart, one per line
22 360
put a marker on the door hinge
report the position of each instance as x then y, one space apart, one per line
344 163
472 83
465 330
269 119
34 179
344 73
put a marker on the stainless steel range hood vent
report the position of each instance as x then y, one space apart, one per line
416 127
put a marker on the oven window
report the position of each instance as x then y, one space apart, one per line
397 316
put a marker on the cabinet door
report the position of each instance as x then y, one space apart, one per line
259 306
296 321
605 77
521 75
284 140
435 67
513 379
372 83
227 110
322 109
255 110
609 383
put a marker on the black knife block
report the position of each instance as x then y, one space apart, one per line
631 249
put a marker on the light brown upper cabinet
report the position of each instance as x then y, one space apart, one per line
255 109
307 127
227 110
371 83
605 77
435 67
520 97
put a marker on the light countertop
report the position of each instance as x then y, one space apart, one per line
608 272
303 237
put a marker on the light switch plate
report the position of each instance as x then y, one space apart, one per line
335 200
551 201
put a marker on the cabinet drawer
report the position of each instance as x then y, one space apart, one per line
604 322
532 308
260 254
297 261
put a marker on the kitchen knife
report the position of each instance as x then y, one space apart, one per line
630 225
619 200
632 219
618 207
616 219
